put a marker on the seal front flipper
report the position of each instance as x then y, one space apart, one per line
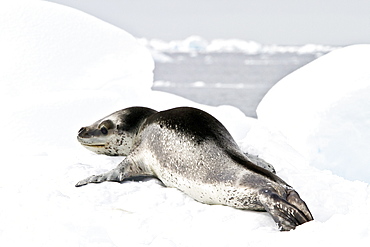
125 169
284 213
114 175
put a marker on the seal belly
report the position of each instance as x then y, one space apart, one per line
220 193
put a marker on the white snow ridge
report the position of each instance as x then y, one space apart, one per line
62 69
323 109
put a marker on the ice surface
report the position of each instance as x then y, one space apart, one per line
195 44
62 69
323 110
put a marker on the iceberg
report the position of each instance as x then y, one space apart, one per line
196 44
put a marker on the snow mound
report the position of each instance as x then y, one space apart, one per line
323 111
56 52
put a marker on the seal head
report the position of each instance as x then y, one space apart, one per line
113 135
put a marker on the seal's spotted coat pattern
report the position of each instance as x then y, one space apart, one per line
188 149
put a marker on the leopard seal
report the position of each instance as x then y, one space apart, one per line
190 150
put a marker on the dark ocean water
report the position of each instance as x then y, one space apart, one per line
234 79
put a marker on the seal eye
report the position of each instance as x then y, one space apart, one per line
104 130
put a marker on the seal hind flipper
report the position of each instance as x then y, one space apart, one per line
260 162
294 199
286 214
243 160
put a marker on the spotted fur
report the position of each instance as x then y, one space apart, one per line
188 149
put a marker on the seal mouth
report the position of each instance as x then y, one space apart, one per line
92 144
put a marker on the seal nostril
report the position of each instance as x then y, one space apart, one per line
81 130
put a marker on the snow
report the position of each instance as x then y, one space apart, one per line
62 69
323 111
